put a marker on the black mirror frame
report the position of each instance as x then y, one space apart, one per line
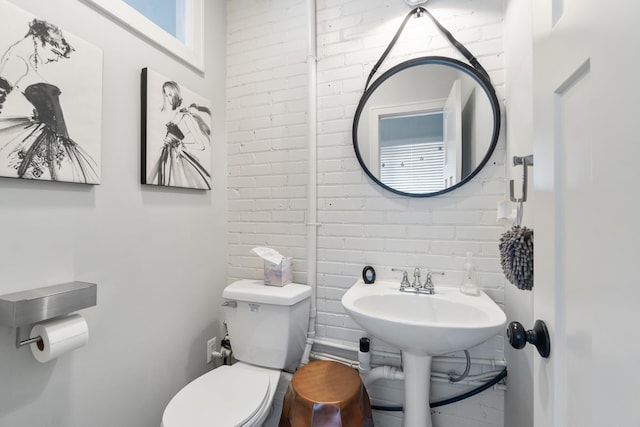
482 80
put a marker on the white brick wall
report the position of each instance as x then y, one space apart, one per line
361 223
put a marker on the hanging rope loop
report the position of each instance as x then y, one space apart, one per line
418 11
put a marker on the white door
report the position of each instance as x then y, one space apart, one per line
587 240
452 131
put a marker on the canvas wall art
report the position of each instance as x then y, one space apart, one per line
176 134
50 101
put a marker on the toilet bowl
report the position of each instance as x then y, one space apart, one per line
267 327
238 395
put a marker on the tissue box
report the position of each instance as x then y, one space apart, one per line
278 274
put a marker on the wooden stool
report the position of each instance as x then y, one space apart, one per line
326 394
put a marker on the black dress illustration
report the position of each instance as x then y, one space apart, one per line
176 165
5 89
39 146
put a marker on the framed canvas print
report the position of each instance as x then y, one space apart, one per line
50 101
176 134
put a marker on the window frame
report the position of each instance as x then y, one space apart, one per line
378 112
191 53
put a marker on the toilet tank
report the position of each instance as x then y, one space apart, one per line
267 324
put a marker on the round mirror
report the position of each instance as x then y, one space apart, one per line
426 126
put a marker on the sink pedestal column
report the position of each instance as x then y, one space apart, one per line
417 381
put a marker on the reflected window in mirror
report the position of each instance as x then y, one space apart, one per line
412 151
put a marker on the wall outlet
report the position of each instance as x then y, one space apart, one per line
211 347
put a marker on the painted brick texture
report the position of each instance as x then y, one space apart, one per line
361 224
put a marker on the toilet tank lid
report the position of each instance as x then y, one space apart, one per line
257 291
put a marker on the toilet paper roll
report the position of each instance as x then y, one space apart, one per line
59 336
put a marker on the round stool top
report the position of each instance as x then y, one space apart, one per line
326 382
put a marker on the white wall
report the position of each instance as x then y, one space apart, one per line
266 113
157 255
360 223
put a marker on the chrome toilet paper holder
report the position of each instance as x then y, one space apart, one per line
22 310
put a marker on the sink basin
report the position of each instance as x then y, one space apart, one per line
444 322
422 326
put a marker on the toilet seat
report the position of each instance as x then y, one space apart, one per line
238 395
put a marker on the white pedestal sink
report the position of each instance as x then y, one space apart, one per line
422 326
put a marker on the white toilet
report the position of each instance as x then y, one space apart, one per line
267 327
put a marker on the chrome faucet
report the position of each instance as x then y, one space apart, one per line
417 287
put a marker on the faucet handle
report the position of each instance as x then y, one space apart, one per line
416 278
428 283
405 277
431 273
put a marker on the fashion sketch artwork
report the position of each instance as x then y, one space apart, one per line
50 101
176 134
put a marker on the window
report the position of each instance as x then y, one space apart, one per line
173 25
413 168
412 151
166 14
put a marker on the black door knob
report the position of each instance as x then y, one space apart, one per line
538 336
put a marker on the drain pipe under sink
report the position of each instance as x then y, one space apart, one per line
381 373
368 375
312 207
